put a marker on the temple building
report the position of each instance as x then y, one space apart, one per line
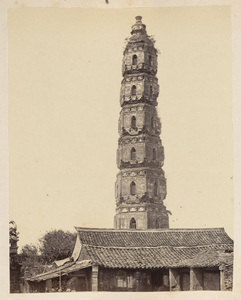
141 252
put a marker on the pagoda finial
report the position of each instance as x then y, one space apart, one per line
138 18
138 27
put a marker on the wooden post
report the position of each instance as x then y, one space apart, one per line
95 273
174 280
60 287
191 279
222 287
171 279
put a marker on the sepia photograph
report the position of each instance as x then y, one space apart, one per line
120 134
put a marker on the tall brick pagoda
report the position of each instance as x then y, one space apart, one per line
141 182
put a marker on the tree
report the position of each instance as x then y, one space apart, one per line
56 245
30 260
29 252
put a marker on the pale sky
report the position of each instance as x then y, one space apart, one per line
64 85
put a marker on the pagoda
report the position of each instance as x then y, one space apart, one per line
141 184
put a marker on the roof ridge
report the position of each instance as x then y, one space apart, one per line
159 246
147 230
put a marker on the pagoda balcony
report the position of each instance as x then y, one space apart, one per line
137 131
133 131
130 199
135 199
140 164
142 67
126 100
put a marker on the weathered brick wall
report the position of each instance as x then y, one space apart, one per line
142 85
228 278
125 182
145 183
127 60
143 53
122 221
164 219
146 216
153 179
143 114
156 144
127 116
139 84
143 151
125 152
155 214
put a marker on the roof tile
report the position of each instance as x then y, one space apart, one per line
155 248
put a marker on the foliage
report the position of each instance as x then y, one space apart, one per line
30 260
56 245
29 251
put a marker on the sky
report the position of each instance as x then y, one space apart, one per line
64 88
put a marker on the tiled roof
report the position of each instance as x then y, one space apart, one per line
153 238
212 257
67 268
155 248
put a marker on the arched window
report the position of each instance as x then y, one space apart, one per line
133 122
134 59
155 189
152 122
151 91
133 90
158 223
150 60
133 188
133 154
133 223
154 154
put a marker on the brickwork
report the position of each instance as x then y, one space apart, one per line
141 184
228 278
